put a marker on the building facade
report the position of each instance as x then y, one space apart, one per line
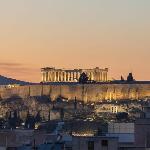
94 143
65 75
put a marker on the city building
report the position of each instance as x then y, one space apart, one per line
109 108
51 74
124 131
31 139
94 143
142 129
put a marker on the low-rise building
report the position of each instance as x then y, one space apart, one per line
94 143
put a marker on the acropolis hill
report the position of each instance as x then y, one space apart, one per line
92 91
86 92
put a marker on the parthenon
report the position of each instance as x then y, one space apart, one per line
51 74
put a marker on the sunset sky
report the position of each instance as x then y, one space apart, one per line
74 34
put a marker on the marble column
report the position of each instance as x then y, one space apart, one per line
48 74
56 76
105 76
68 76
100 75
91 76
71 76
42 77
75 76
59 76
67 79
94 76
51 76
88 75
78 75
64 76
98 79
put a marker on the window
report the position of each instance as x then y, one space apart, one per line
104 143
90 145
112 110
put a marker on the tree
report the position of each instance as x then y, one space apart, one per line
122 116
130 78
99 131
75 104
14 119
30 122
59 99
38 117
122 78
83 78
49 114
62 113
2 122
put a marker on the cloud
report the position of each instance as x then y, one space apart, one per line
19 71
16 67
3 64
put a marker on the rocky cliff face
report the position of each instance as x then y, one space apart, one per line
87 92
6 81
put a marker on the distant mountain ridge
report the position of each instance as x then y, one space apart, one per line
5 81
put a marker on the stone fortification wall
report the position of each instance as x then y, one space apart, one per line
87 92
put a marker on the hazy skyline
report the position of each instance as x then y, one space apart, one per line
74 34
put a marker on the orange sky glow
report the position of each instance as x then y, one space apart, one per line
74 34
